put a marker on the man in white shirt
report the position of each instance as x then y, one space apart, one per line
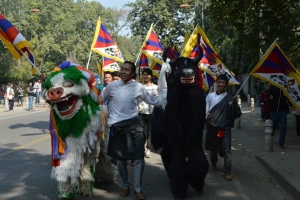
221 110
127 139
38 89
146 109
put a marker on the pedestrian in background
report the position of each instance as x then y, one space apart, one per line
11 97
265 108
6 102
38 89
145 109
20 95
279 107
31 94
116 76
259 86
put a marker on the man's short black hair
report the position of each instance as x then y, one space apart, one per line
107 73
133 68
116 73
148 71
223 77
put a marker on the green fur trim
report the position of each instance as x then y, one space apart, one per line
76 124
71 73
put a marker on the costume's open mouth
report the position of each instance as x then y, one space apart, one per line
185 80
66 105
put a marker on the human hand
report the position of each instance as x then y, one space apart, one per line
271 97
234 99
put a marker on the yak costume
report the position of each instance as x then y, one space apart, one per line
178 128
75 126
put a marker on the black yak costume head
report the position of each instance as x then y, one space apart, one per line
185 76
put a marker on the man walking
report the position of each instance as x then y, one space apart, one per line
221 110
127 139
279 106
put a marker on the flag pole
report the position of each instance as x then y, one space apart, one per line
188 40
31 62
87 65
241 86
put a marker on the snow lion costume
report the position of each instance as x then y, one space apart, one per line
75 126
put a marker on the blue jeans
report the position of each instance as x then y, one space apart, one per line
280 117
37 99
30 102
138 171
226 150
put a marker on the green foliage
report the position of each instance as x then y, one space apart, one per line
240 31
62 30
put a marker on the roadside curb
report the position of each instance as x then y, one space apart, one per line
280 174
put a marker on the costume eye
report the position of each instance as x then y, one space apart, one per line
68 84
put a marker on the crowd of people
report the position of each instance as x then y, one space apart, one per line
12 94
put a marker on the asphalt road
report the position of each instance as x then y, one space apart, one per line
25 165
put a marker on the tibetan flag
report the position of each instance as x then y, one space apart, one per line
186 39
109 65
208 80
155 67
276 69
176 50
104 44
152 47
210 62
143 64
15 42
191 49
171 54
10 34
143 61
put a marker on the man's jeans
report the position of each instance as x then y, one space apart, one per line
280 117
30 102
37 100
227 152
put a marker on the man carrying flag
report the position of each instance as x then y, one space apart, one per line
276 69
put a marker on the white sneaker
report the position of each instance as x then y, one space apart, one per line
148 154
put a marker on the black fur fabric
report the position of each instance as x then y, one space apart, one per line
178 130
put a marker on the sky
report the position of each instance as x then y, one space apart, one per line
114 3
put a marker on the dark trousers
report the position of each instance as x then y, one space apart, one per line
20 100
226 146
146 120
11 104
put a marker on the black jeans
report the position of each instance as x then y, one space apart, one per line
227 152
11 104
20 100
146 120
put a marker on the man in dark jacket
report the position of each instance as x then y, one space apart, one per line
279 106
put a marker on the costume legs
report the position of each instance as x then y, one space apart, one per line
139 166
197 165
177 173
